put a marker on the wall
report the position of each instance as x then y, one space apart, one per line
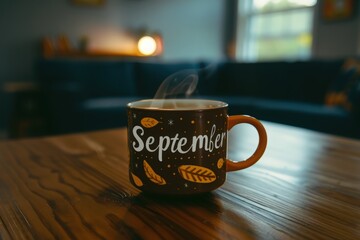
336 39
191 29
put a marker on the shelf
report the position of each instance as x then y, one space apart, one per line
94 54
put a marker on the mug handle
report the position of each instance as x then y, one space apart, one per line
237 119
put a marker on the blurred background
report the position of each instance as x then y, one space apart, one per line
186 30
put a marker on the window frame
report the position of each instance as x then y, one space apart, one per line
245 14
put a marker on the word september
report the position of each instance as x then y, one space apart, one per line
175 144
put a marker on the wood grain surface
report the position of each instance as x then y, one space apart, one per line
306 186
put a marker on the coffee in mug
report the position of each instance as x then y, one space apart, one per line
179 146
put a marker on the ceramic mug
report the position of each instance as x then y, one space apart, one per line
179 146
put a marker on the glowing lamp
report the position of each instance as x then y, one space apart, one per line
147 45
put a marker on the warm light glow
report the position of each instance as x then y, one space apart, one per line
147 45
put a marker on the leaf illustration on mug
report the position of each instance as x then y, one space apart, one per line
137 180
152 175
149 122
197 174
220 163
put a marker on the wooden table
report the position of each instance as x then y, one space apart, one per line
76 187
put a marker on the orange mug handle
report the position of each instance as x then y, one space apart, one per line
237 119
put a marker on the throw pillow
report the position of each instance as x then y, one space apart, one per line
342 91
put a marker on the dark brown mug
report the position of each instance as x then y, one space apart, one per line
179 146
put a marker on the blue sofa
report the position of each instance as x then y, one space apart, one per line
84 95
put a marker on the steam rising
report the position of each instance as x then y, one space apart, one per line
178 85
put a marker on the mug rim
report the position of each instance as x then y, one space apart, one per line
145 104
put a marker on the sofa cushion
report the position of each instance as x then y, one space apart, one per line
107 102
210 82
354 98
313 78
294 81
317 117
236 105
92 78
345 89
255 79
149 76
104 113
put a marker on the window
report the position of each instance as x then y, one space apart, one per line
274 29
